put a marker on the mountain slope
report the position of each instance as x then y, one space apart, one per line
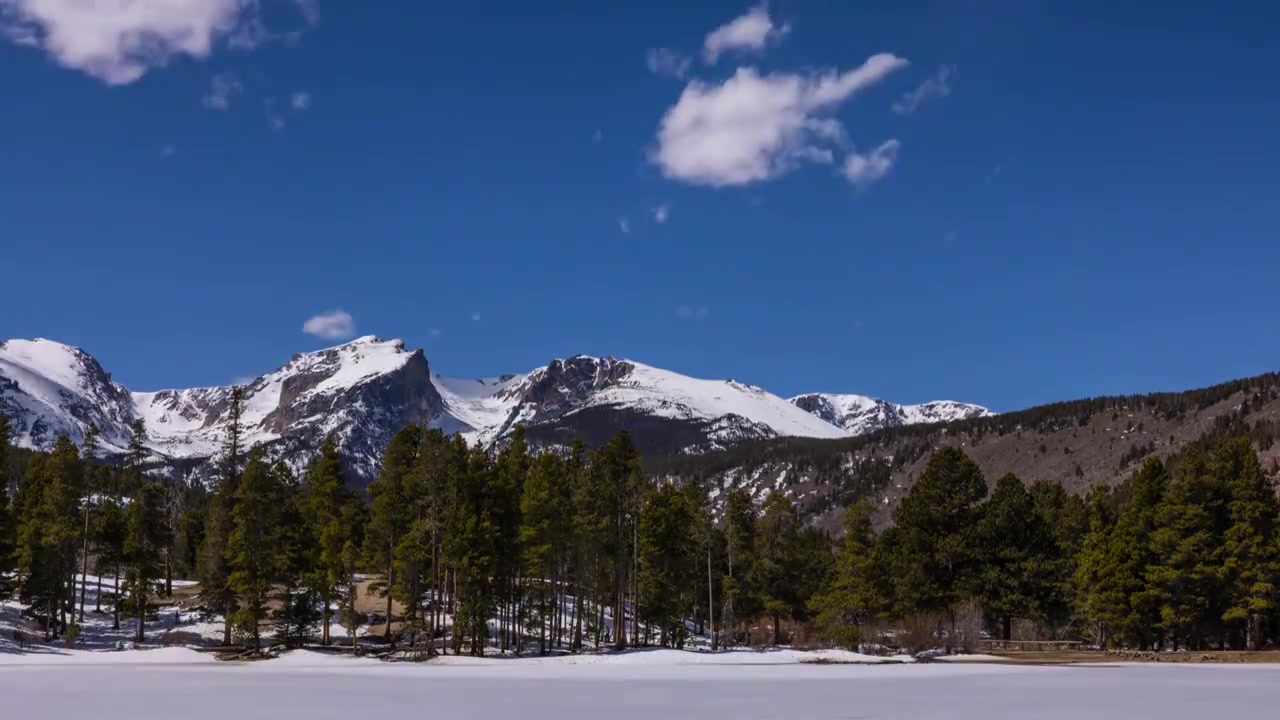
1080 444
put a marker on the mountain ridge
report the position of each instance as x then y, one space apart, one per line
364 390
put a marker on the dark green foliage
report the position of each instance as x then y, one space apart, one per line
297 619
1019 576
255 552
8 531
668 563
936 560
860 587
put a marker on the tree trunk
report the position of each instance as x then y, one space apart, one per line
777 620
115 613
711 602
226 621
84 562
1006 632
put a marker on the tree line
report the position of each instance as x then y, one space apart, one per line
1180 556
548 551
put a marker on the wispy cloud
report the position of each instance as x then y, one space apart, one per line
624 226
119 41
223 88
331 325
750 32
867 169
300 101
661 214
754 127
934 87
692 312
275 119
597 136
168 150
434 332
668 62
475 317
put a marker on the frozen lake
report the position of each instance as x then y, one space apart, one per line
320 687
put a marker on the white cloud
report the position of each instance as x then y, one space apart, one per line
755 127
168 150
869 168
300 100
661 214
119 41
692 312
331 325
668 62
434 332
746 33
597 136
222 88
934 87
624 225
475 317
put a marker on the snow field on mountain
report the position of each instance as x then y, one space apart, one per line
669 394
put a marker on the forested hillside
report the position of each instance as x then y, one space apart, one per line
1079 445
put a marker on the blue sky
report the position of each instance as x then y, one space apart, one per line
985 201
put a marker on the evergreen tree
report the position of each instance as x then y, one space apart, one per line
936 561
512 468
741 594
1187 578
324 499
254 548
778 561
1017 575
668 562
1114 562
391 513
1067 517
1251 563
211 564
474 551
859 590
143 550
8 533
539 511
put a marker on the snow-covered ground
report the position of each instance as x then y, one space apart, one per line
182 683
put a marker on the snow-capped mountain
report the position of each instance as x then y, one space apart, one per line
859 414
365 390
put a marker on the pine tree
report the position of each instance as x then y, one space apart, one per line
860 589
512 468
254 549
1067 517
1251 565
1115 560
538 512
668 562
741 594
211 564
936 561
1017 549
778 561
1187 579
145 530
391 513
325 496
474 552
143 550
8 532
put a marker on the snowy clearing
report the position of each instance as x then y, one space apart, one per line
312 686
